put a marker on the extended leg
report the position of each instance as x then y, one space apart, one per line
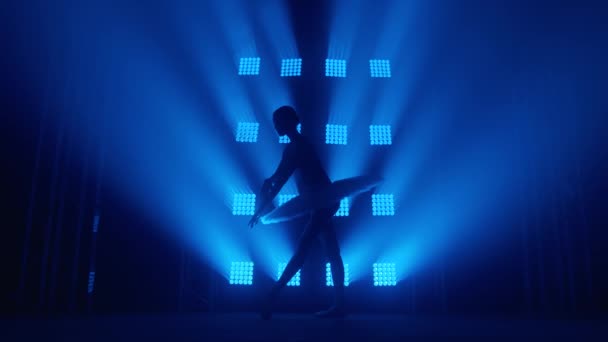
332 250
294 264
297 260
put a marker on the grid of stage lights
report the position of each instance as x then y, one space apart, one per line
380 135
385 274
284 198
380 67
241 273
344 207
294 281
243 205
247 132
336 134
335 68
291 67
329 281
285 139
249 66
383 205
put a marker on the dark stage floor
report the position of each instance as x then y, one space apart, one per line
297 327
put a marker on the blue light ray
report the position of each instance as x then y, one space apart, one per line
231 13
344 28
273 17
365 242
158 154
270 246
447 214
230 93
401 27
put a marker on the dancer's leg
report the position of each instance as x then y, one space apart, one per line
297 260
332 249
294 264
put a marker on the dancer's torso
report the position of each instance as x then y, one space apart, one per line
309 173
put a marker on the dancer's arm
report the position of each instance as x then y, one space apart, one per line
273 185
285 169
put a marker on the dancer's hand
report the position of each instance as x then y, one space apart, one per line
254 220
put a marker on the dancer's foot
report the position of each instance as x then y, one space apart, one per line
333 312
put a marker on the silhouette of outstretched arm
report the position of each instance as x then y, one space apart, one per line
283 172
273 185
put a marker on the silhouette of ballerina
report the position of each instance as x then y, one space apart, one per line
300 157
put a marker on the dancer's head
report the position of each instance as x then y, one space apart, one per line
285 120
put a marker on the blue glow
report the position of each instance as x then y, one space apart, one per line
380 67
277 26
243 205
335 68
383 205
294 281
291 67
241 273
447 165
283 198
329 281
365 244
268 247
380 135
336 134
385 274
247 132
285 139
344 208
249 66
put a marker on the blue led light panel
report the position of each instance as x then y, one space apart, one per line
241 273
336 134
291 67
380 135
249 66
285 198
285 139
380 67
247 132
343 211
329 281
385 274
335 68
383 205
243 205
294 281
